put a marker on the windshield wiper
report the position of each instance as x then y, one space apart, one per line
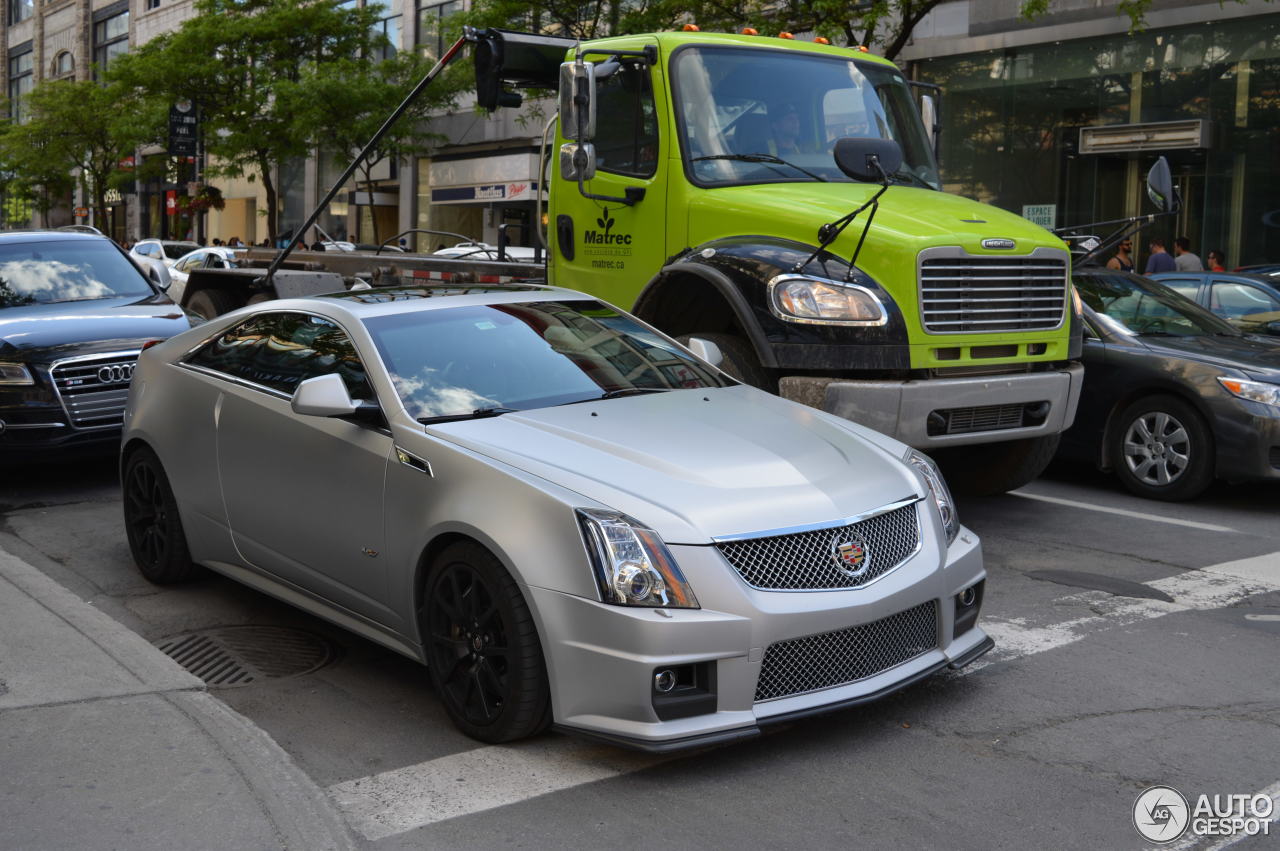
621 391
477 414
759 158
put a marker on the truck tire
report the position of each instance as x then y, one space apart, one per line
739 361
210 303
988 469
1161 448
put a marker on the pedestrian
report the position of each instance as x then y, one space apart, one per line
1217 262
1122 259
1184 260
1159 261
217 241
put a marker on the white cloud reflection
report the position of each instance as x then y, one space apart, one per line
51 280
428 395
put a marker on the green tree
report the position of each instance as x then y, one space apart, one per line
249 65
74 132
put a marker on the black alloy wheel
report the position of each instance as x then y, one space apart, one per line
152 523
482 647
1163 449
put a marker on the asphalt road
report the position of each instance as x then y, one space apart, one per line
1098 690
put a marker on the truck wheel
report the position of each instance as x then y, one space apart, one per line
482 647
739 361
988 469
1162 448
210 303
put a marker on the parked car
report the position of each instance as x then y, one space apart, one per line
167 251
74 313
485 251
1249 302
215 257
1173 396
1271 270
563 513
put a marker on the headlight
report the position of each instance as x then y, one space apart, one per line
632 565
1254 391
938 490
15 373
798 299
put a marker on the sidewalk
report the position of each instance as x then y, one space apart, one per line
105 742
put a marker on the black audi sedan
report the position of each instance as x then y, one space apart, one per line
74 314
1173 396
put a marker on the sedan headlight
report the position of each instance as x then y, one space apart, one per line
799 299
938 490
1254 391
15 373
633 566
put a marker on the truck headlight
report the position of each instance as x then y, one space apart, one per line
633 566
942 500
1254 391
15 373
800 299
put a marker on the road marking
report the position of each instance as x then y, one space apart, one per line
1190 841
415 796
1155 518
1215 587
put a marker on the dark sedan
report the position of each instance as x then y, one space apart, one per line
1251 302
74 314
1173 396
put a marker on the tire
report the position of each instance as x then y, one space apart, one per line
482 647
988 469
152 523
739 361
1161 448
210 303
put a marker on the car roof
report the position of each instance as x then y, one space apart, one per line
385 301
49 236
1265 280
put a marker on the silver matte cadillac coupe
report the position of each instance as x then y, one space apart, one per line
567 516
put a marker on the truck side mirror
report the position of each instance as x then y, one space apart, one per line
858 157
1160 187
929 115
578 101
577 161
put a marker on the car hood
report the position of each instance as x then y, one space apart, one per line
40 333
1249 353
699 464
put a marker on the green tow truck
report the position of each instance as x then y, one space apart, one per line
781 199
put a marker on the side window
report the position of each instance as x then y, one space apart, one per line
192 262
1188 287
627 123
1236 300
281 350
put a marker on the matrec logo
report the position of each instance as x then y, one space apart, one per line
1161 814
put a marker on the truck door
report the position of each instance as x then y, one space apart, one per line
609 248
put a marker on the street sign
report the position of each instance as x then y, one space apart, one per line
81 212
184 125
1044 215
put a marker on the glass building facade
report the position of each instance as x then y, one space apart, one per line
1012 121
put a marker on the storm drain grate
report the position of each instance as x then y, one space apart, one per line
239 655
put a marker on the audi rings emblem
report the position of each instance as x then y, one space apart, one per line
116 373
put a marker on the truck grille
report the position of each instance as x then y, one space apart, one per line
984 418
94 389
965 294
845 656
824 559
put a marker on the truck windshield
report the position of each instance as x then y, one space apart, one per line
741 110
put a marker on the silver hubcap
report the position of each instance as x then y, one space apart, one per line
1157 449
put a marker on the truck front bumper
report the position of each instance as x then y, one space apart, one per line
936 413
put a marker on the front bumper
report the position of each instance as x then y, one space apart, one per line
901 409
602 658
1247 437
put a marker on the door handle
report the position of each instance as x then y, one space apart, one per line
413 461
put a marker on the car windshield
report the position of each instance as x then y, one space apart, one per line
738 107
457 361
75 270
1130 304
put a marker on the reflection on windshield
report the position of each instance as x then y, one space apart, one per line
45 272
1136 306
740 106
459 360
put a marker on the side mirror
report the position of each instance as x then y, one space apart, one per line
323 396
706 350
1160 187
929 115
156 271
577 161
578 101
857 157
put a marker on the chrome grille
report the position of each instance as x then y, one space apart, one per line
812 561
966 294
94 390
845 656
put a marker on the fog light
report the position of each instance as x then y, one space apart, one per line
968 597
664 681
